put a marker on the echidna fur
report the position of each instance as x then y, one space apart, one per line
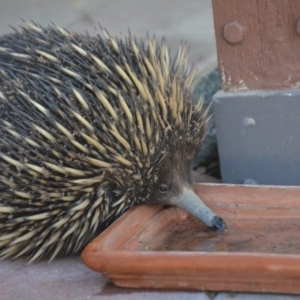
90 126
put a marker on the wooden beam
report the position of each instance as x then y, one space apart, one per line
258 44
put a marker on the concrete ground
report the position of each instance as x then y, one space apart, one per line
68 278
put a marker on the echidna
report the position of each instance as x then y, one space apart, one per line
91 126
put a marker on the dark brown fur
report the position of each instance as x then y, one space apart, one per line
73 158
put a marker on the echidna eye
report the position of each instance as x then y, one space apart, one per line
163 188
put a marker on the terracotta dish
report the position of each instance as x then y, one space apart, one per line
156 247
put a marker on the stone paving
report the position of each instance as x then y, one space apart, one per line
191 21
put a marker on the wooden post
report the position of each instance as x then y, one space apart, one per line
258 112
258 43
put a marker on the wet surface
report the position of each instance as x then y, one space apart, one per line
251 235
256 229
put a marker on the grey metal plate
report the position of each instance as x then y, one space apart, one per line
258 136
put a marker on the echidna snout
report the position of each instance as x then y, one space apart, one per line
175 188
192 204
90 127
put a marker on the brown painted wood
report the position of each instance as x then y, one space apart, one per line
152 247
258 44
